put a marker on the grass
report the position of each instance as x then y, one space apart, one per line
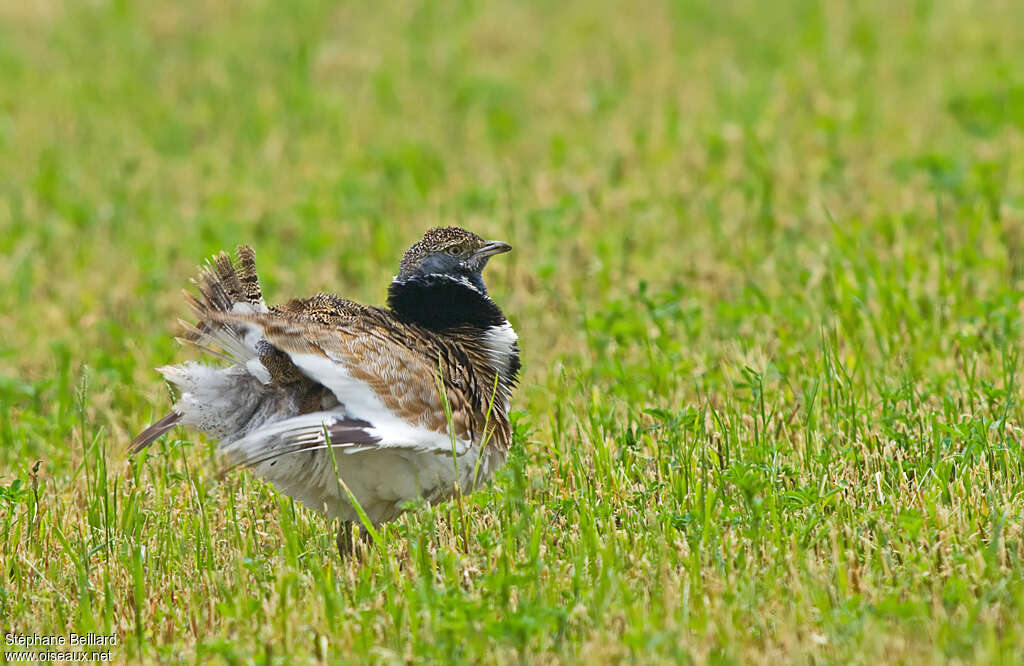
767 277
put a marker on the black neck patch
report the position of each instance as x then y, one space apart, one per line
439 302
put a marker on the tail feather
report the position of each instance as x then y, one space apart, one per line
229 278
219 400
247 275
212 289
225 287
153 432
227 343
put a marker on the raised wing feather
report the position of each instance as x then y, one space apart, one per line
302 434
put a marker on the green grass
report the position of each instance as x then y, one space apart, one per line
767 277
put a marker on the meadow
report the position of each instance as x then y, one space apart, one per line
767 279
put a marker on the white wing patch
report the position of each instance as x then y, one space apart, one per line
500 342
293 435
359 401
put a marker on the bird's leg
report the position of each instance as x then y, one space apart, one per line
345 545
347 542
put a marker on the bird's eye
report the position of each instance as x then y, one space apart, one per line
454 251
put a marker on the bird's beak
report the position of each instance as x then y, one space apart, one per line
490 249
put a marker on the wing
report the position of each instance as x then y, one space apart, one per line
301 434
404 390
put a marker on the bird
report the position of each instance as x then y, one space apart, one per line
347 407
